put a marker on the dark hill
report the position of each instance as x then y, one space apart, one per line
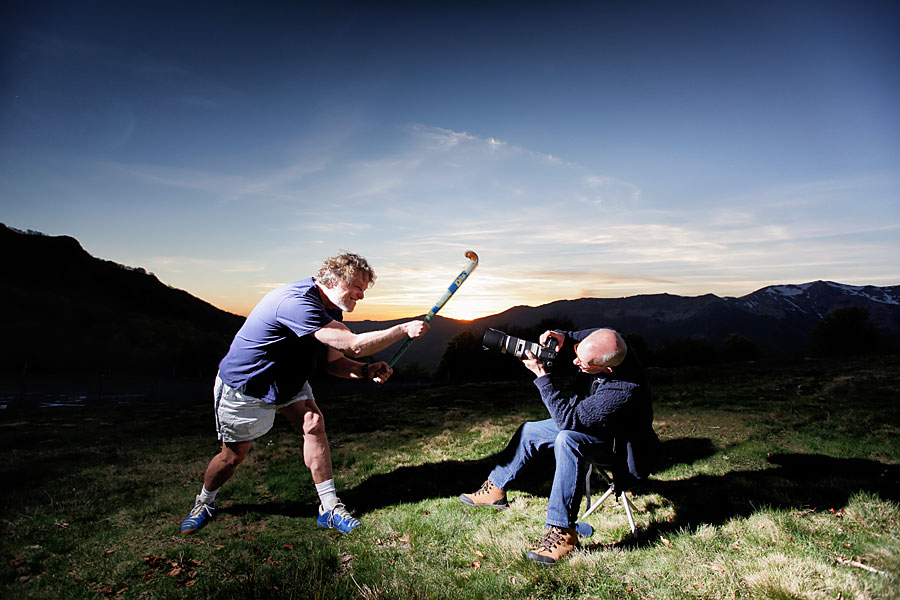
64 311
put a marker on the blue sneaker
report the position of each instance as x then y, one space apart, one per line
200 515
338 518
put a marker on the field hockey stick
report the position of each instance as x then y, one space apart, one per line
470 266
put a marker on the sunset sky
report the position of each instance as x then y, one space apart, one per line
581 149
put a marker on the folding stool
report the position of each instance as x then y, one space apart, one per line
610 491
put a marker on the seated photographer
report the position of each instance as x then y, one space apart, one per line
609 419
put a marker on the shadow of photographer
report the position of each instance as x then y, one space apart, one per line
804 482
796 481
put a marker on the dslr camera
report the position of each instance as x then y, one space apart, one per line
507 344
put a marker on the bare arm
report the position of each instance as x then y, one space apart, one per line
341 366
338 336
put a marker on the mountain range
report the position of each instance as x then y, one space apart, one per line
64 310
777 318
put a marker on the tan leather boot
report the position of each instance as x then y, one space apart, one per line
488 495
556 544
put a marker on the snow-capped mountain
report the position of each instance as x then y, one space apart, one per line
818 298
777 318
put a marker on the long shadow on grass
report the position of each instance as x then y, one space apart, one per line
451 478
795 482
405 484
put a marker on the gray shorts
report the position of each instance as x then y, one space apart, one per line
241 418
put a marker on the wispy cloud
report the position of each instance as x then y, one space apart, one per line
223 184
545 228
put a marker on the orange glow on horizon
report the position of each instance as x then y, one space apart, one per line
387 313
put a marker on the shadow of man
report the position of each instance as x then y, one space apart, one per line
451 478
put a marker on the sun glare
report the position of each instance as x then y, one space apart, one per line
457 308
469 309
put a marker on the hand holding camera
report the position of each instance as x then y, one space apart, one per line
538 358
555 338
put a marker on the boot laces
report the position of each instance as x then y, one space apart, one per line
485 488
552 538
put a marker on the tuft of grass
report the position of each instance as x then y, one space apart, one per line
777 481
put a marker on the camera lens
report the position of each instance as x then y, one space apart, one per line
494 340
497 340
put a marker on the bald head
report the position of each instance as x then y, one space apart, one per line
602 348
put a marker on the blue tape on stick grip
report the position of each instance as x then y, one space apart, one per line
459 281
473 262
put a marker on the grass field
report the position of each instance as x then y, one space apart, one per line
778 481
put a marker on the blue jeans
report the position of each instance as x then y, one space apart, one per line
570 449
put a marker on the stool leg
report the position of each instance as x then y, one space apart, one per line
626 502
597 504
587 485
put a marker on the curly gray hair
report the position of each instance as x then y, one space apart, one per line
344 267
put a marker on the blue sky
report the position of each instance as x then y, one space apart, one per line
581 149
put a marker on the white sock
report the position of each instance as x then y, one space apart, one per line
206 496
327 495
